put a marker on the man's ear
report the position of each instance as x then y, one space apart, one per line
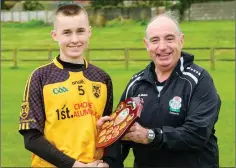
182 41
146 43
54 35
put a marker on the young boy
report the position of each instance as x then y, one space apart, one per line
64 101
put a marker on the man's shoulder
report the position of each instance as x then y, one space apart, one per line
138 75
197 73
195 70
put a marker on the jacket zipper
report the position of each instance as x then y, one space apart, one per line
159 93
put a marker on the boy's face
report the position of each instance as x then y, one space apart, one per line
72 34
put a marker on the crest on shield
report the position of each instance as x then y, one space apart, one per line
96 90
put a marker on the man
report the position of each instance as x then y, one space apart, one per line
181 105
64 101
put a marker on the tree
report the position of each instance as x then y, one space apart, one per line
32 5
100 3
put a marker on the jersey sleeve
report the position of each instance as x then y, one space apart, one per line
109 103
32 115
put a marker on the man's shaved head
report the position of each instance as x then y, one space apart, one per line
160 18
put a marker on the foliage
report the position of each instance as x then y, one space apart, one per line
101 3
7 5
33 5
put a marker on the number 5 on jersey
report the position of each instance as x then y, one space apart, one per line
81 90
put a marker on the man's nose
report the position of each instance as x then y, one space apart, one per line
162 45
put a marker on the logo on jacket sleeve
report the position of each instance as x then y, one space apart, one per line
96 90
175 104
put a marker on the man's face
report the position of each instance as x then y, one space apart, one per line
164 43
72 34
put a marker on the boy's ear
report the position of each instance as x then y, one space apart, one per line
54 35
90 31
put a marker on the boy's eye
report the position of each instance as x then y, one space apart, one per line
80 31
66 33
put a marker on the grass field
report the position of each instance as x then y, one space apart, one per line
197 34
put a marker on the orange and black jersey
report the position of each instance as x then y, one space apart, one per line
63 103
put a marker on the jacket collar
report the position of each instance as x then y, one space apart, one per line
185 60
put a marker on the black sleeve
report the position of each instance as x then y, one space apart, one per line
199 123
109 103
36 143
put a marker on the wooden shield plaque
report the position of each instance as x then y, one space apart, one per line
121 120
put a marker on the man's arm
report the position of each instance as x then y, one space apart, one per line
201 116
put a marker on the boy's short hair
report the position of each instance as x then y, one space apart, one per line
70 10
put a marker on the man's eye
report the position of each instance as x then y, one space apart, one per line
154 41
170 38
66 33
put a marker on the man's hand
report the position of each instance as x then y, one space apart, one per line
101 121
103 165
137 134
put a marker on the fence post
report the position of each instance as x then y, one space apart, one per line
49 54
126 58
212 57
14 58
87 54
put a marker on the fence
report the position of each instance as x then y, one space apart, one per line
126 57
25 16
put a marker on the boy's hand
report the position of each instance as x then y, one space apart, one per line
103 164
101 121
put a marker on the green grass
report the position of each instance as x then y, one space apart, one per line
197 34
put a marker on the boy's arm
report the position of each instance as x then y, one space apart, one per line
36 143
31 124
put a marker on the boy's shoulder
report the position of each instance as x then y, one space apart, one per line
98 70
95 73
43 69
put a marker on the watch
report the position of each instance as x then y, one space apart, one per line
150 135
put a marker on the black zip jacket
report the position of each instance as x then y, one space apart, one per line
182 115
